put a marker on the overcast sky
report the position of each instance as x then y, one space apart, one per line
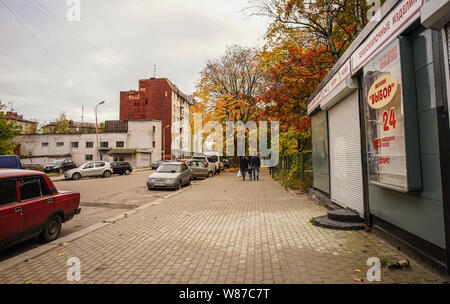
49 64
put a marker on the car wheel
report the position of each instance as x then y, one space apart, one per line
127 172
107 174
210 175
52 229
179 186
76 176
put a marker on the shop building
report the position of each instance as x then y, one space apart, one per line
381 133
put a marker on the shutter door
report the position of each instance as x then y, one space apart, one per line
345 154
448 44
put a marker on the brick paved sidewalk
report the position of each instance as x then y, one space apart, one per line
221 231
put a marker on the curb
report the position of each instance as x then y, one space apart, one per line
33 253
62 179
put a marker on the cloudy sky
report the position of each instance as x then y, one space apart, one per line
49 64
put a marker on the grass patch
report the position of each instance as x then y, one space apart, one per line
295 181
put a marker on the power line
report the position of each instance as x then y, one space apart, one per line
32 36
56 19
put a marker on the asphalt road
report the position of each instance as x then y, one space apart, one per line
101 199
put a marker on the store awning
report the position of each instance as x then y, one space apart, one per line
122 151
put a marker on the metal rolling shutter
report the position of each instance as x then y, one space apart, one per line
345 154
448 43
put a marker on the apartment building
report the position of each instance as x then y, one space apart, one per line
160 99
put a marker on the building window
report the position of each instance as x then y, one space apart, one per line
60 144
104 144
146 100
89 144
154 144
74 144
119 144
89 157
44 144
154 129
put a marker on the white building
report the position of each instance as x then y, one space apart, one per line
137 142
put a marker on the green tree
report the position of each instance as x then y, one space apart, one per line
8 131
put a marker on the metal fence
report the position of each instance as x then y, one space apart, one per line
296 164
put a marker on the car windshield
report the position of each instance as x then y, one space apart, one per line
212 159
56 162
169 168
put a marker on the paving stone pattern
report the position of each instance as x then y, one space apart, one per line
223 230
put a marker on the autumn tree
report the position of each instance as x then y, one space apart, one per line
230 87
8 130
60 125
333 24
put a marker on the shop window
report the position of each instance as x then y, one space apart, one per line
392 150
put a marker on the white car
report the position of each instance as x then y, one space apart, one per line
213 166
94 168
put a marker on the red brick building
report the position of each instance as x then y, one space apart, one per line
160 99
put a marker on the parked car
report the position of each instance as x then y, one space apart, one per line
95 168
10 162
156 164
226 163
60 166
208 161
199 169
121 167
30 206
170 175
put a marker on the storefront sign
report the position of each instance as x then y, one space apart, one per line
403 15
382 91
385 119
330 88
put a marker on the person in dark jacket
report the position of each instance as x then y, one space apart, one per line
243 166
249 159
255 164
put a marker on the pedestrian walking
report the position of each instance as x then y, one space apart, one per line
272 170
249 167
255 164
243 166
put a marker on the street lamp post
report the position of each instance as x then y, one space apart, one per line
96 127
164 141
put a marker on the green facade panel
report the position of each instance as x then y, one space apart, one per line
320 162
420 213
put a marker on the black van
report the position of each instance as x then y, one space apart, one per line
10 162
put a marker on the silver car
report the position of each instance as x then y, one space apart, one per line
94 168
170 175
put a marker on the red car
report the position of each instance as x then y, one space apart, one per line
30 205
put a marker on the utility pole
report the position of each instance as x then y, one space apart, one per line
96 127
